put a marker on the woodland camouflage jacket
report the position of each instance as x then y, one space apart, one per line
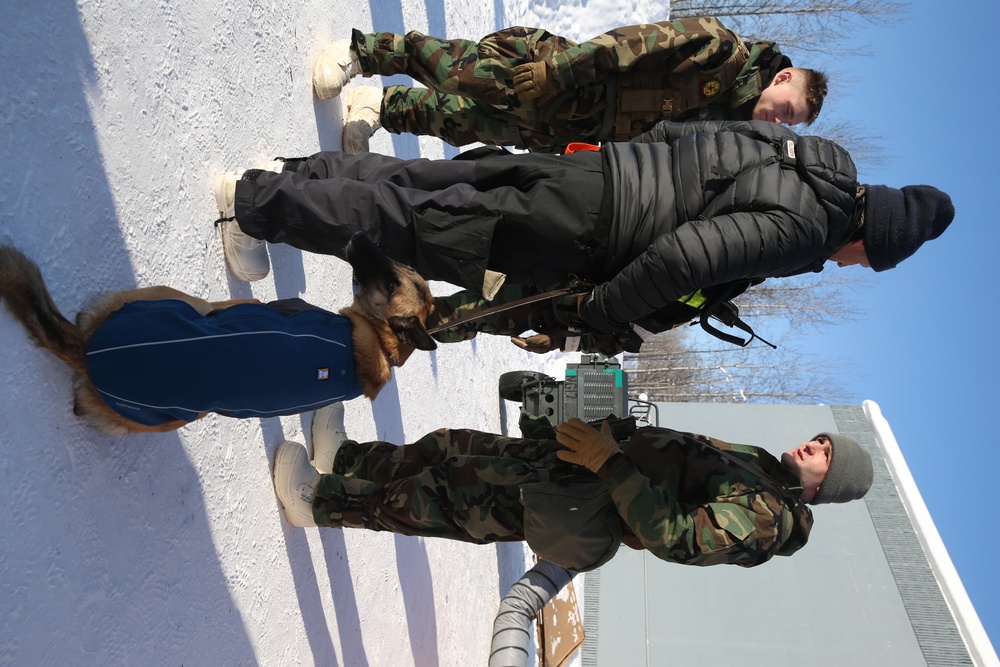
686 503
690 69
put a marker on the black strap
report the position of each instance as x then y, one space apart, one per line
718 306
576 288
752 469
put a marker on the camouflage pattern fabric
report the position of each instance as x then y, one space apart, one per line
511 322
677 495
480 70
459 484
516 321
469 93
687 504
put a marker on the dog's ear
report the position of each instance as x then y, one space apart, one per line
411 330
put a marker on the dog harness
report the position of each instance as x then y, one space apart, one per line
160 361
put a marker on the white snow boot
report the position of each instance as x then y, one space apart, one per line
328 434
334 67
295 483
246 256
364 107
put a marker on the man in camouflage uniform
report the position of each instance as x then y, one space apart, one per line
528 88
686 498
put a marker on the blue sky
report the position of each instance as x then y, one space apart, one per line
926 350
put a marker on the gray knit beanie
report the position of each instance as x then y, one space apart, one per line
898 222
850 475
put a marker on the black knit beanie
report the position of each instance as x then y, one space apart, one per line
850 474
898 222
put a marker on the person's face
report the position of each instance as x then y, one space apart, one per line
852 254
810 462
784 100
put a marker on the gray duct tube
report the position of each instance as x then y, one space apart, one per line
512 625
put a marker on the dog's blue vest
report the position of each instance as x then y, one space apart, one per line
159 361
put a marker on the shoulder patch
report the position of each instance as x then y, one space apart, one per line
711 88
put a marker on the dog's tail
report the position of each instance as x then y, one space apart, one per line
26 297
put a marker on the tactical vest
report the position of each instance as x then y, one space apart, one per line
643 98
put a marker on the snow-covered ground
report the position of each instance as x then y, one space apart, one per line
170 549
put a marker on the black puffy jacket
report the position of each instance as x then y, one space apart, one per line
705 203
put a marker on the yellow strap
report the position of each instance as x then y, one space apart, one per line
695 299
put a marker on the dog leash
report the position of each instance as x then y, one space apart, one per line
448 324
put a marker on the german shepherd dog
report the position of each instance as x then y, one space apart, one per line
154 359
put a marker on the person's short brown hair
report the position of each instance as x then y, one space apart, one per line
815 86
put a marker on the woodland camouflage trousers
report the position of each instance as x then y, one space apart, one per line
459 484
469 95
